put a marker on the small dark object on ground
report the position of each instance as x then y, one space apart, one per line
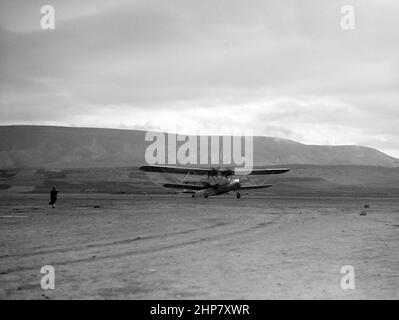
363 213
367 206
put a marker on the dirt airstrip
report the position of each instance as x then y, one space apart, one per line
175 247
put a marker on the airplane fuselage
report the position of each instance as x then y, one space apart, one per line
218 189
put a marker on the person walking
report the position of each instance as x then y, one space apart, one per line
53 197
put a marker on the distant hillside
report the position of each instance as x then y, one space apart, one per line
302 180
68 147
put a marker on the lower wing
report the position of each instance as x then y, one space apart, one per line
260 186
183 186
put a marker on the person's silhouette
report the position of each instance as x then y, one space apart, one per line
53 197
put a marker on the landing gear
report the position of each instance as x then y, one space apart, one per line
206 196
193 196
238 195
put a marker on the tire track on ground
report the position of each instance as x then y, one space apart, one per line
112 243
155 248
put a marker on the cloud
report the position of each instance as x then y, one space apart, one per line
282 69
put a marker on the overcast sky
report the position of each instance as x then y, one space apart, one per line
282 68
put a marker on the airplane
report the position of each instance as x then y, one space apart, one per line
217 182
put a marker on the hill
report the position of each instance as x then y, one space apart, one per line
70 147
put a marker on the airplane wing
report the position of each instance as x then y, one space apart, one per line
260 186
212 171
183 186
261 171
180 170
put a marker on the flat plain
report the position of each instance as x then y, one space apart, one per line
106 246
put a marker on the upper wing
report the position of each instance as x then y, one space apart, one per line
255 187
212 171
265 171
170 169
183 186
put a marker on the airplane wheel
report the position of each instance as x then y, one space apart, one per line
238 195
206 196
192 196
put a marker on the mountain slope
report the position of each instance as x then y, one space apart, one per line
69 147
